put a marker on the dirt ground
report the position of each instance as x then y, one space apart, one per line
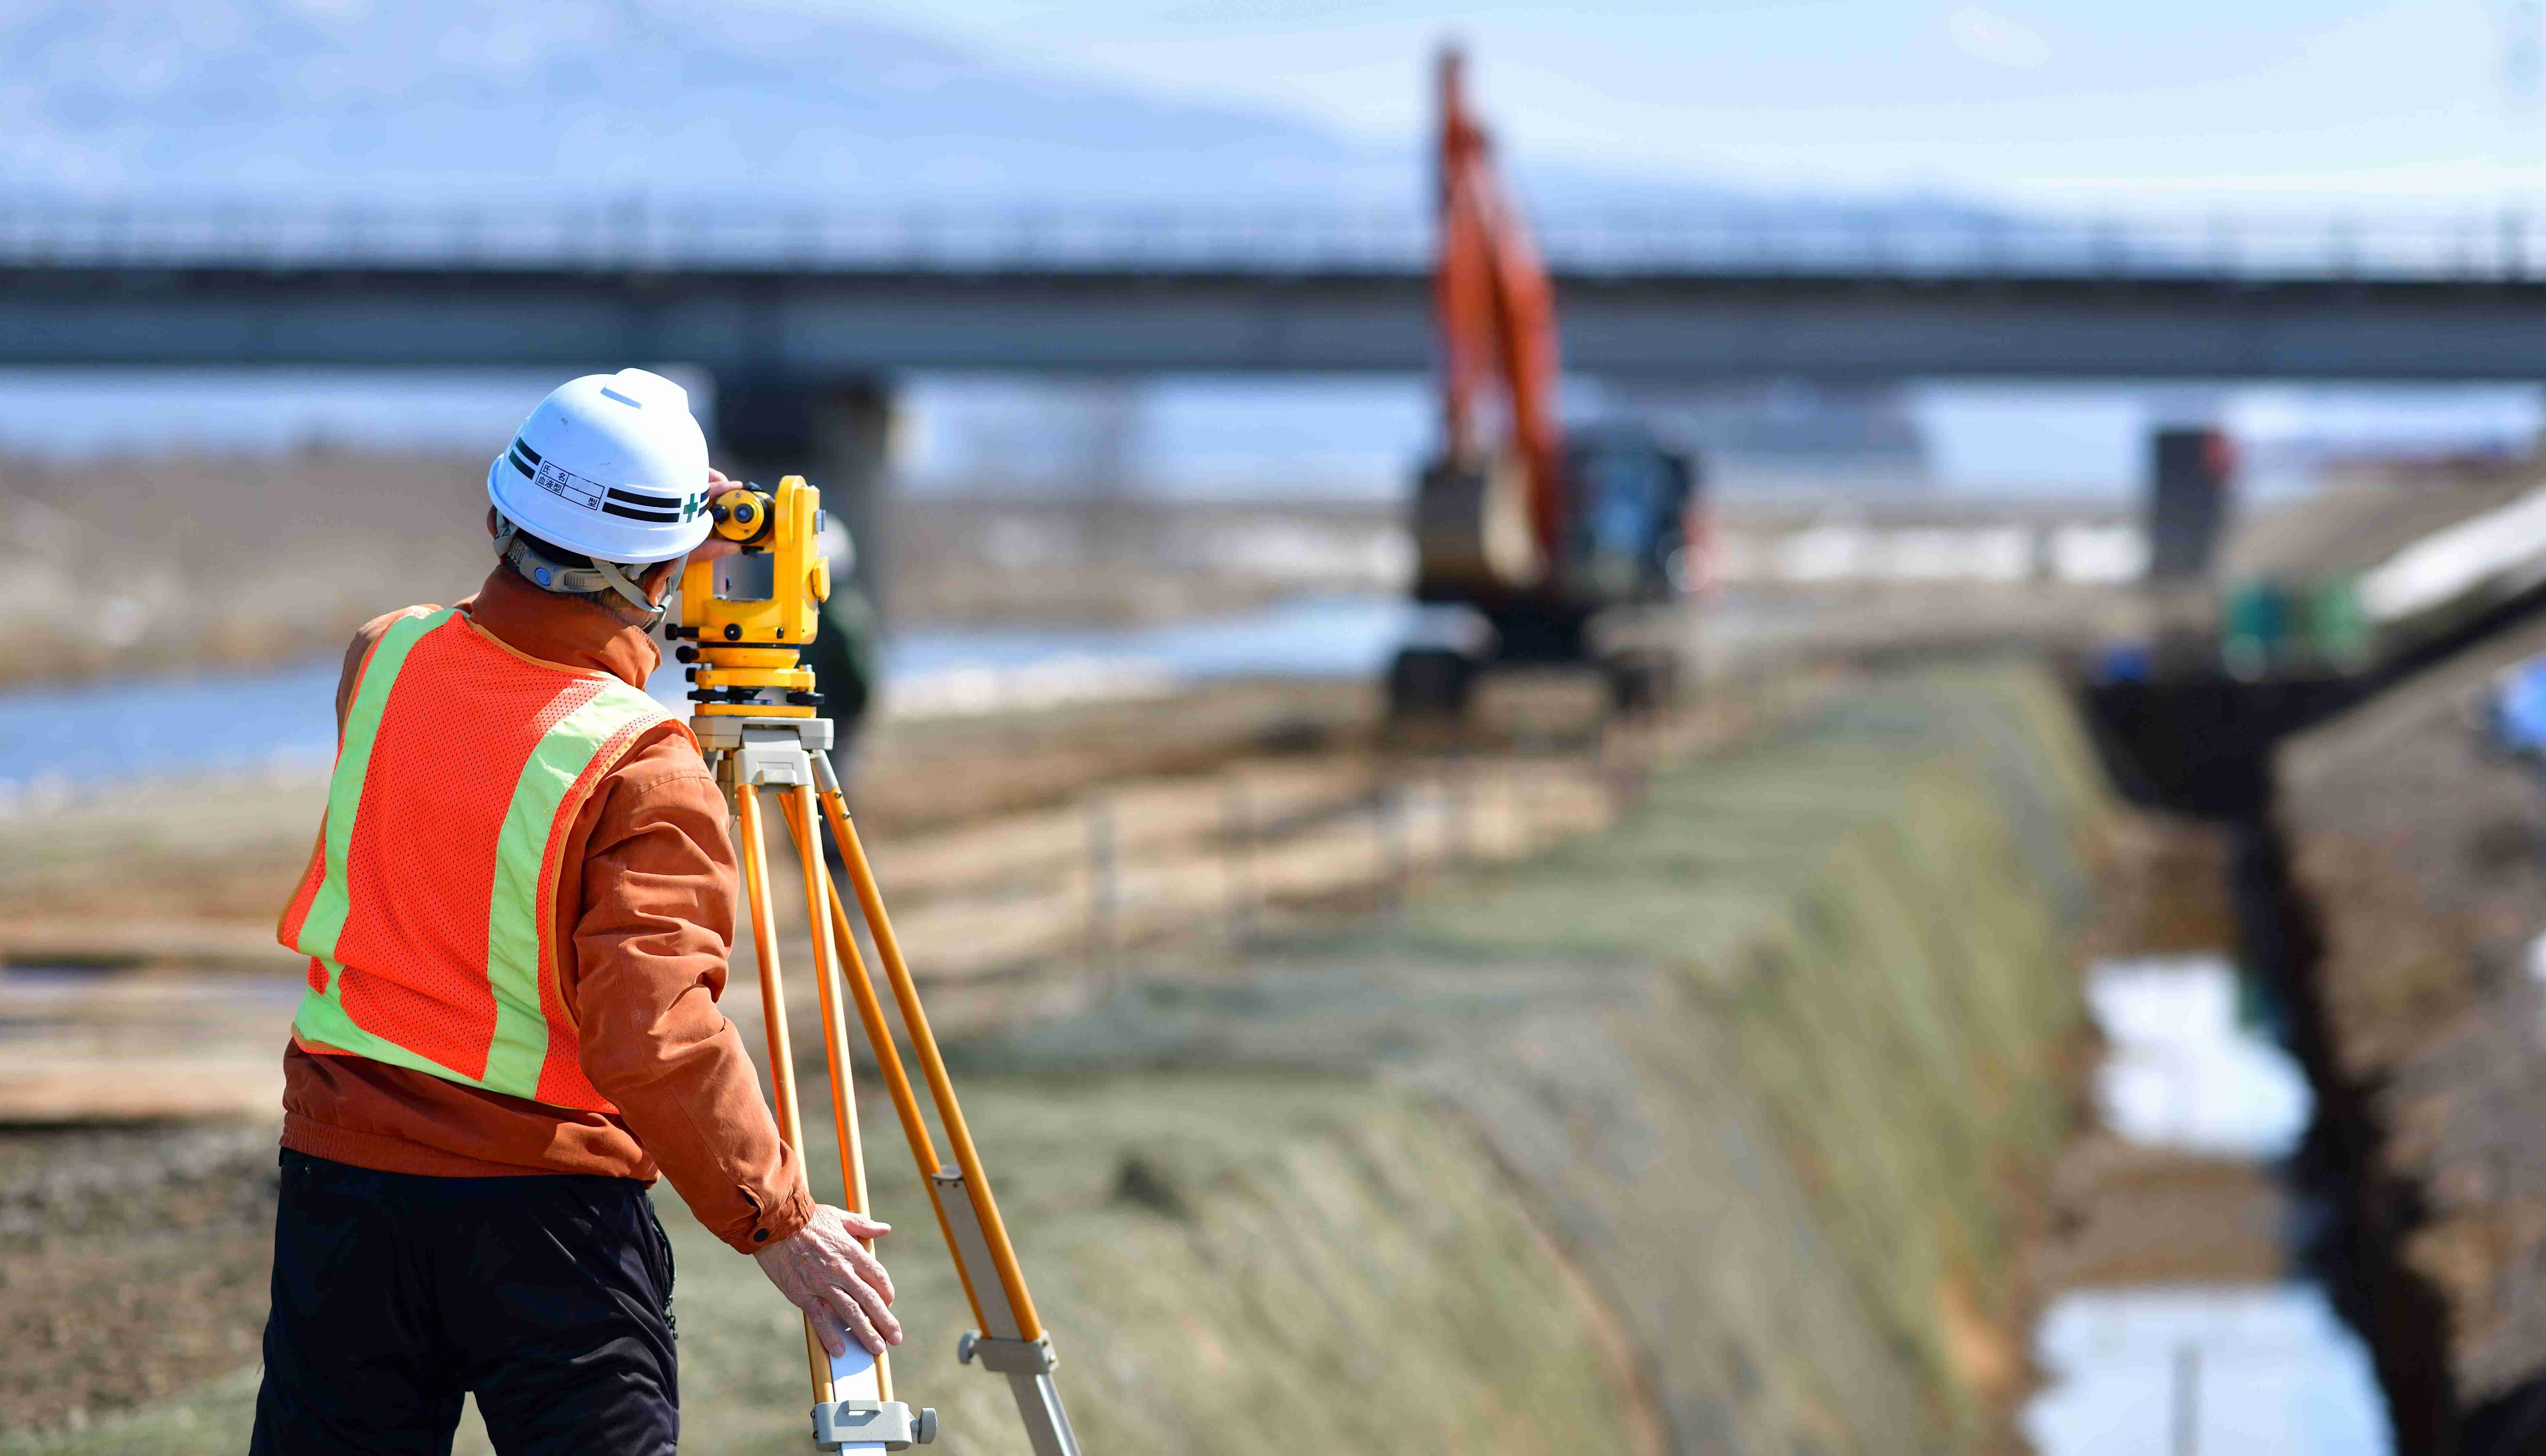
133 1264
2418 854
1018 850
119 1229
192 872
1229 1172
137 564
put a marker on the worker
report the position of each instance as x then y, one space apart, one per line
516 921
842 653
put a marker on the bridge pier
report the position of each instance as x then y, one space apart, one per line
836 433
2190 479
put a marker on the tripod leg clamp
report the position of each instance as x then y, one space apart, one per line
1006 1356
887 1423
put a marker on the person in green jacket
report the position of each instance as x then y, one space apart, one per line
843 655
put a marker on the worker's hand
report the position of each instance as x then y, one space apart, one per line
823 1271
715 547
658 578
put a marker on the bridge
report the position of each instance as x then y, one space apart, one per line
803 314
815 294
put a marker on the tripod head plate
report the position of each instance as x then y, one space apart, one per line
765 753
867 1425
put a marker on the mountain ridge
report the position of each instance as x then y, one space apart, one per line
343 100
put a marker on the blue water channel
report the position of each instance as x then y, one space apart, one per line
2254 1368
284 718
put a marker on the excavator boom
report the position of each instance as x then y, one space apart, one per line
1525 532
1497 313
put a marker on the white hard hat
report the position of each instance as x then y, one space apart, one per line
611 466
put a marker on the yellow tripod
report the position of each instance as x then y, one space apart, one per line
755 724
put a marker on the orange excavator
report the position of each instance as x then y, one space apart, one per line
1526 535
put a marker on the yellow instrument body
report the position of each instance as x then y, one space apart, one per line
770 607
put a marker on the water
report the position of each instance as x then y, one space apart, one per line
1305 637
2182 1072
2245 1369
2254 1371
283 720
222 721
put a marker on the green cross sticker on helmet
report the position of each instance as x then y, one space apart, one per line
611 466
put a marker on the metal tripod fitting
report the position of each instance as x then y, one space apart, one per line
887 1424
1010 1348
746 641
764 752
1006 1356
855 1409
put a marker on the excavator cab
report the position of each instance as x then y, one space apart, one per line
1631 537
1525 532
1624 531
1633 500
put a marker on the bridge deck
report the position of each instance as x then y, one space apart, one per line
840 322
812 294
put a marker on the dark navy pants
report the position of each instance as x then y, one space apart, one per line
550 1297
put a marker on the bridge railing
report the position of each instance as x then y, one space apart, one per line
639 235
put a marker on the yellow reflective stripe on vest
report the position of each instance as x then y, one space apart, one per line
515 909
322 1018
327 909
518 1048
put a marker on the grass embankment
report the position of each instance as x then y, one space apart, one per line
1706 1133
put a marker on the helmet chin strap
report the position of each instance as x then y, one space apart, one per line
549 576
626 586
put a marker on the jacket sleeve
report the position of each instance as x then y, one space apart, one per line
651 942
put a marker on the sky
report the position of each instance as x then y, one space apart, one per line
2256 103
2311 106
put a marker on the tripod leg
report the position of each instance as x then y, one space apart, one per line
1013 1343
804 829
773 1012
932 1066
897 1077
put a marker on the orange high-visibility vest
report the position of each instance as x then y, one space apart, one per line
427 907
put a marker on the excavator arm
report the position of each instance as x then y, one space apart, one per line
1497 313
1526 532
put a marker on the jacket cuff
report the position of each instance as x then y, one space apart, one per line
775 1225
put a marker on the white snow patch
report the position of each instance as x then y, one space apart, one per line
2182 1073
2250 1370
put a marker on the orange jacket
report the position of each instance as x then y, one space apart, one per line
643 934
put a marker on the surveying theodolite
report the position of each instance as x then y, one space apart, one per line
743 619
